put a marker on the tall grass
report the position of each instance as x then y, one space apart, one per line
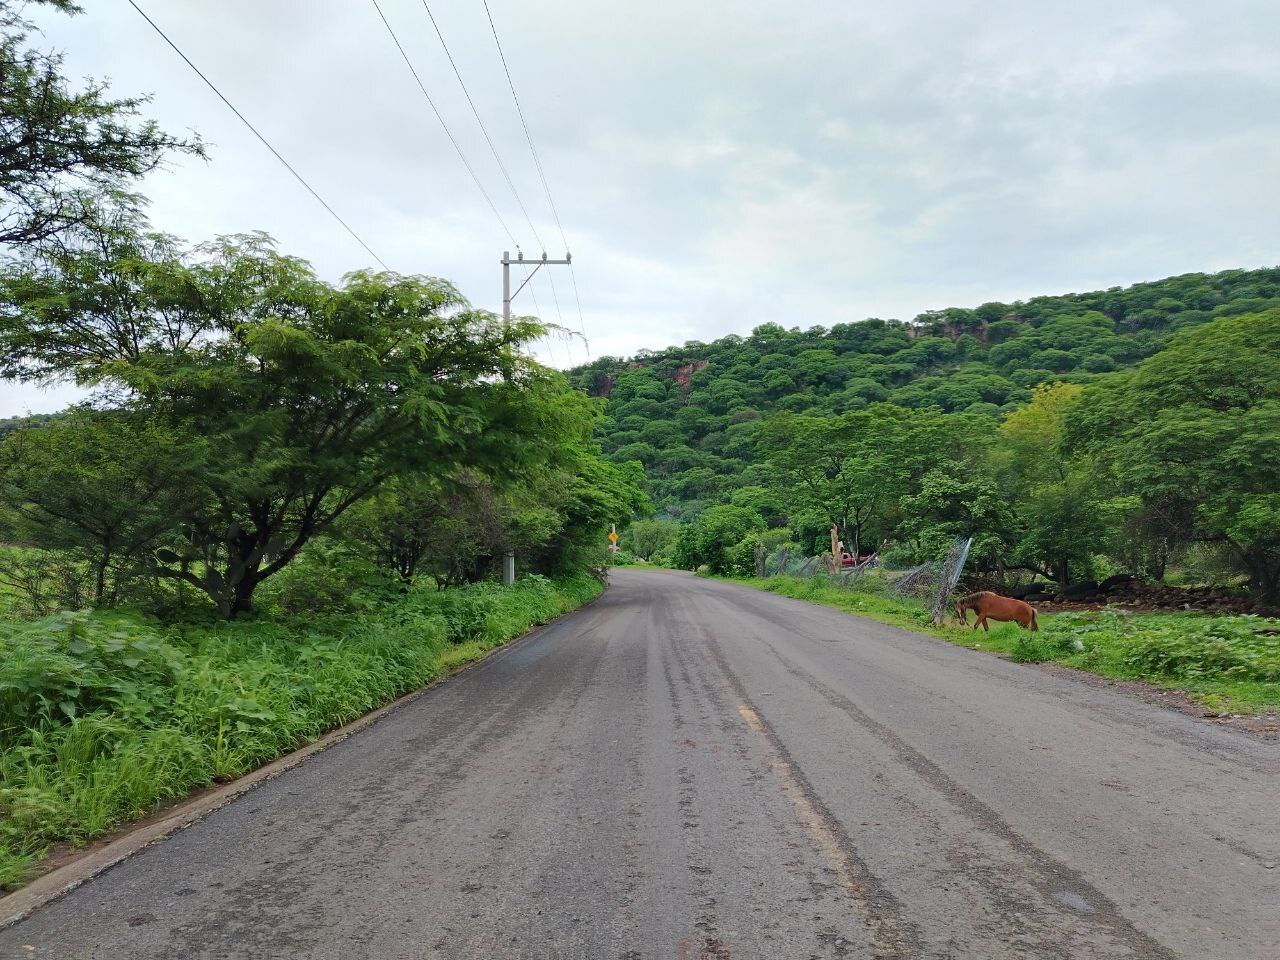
103 716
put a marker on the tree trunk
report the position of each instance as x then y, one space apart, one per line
242 598
100 580
1264 575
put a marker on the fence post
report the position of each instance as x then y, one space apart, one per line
950 576
759 560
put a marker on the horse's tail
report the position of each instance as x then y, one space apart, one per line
1035 624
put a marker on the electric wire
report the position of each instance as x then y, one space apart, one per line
556 299
542 175
537 308
254 130
483 129
449 133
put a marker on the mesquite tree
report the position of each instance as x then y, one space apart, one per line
291 399
61 148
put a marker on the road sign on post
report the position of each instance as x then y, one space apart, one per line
613 538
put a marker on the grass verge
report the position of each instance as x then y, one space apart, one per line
1231 664
104 716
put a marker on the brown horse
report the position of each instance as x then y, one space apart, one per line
992 606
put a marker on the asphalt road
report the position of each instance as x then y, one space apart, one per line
692 769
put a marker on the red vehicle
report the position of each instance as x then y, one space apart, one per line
849 560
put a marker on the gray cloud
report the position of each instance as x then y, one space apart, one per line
719 164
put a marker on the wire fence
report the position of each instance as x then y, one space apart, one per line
931 582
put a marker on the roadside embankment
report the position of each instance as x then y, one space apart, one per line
104 716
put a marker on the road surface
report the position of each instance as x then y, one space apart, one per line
693 769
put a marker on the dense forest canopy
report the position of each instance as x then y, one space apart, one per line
966 421
687 413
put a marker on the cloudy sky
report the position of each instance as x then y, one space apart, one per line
716 164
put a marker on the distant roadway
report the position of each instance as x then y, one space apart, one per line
694 769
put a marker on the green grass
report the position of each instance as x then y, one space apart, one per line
104 716
1229 663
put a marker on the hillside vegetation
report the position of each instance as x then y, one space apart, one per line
1129 430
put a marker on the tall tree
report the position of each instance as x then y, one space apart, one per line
104 487
295 399
853 470
648 537
1195 433
1065 514
61 148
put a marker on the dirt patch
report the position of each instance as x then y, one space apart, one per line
684 374
1265 725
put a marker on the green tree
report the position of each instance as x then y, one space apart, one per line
61 149
1194 432
853 469
293 399
1065 513
590 494
711 537
416 525
102 486
646 538
957 501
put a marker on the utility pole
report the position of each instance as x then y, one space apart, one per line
509 561
507 295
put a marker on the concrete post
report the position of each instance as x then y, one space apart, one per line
509 569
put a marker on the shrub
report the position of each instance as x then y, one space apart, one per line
1176 646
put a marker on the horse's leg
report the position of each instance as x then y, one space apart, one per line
985 628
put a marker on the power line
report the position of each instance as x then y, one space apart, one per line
462 156
489 140
533 292
556 298
537 162
245 120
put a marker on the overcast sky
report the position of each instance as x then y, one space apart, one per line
717 165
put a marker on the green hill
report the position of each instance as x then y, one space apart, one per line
688 413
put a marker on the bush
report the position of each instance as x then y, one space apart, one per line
34 583
1242 648
329 578
1177 646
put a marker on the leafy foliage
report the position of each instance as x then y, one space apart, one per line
285 400
710 539
100 486
688 413
62 148
1195 434
1073 435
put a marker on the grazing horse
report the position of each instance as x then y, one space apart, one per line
992 606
